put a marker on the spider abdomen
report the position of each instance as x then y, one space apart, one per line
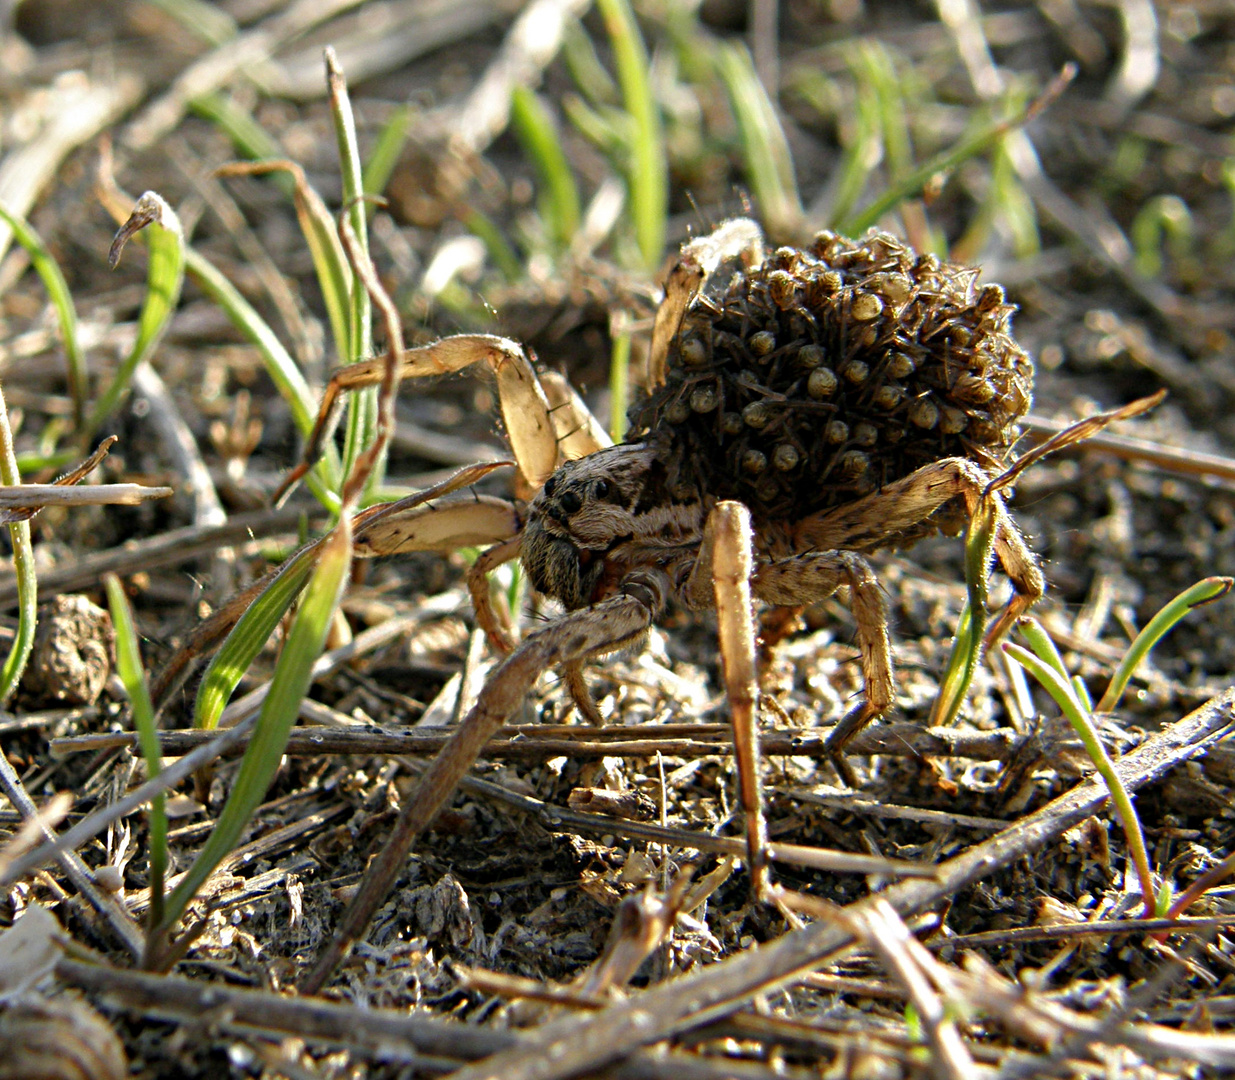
822 375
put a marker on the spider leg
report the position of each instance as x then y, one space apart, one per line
578 432
740 237
612 624
496 628
446 526
817 575
866 523
525 408
576 686
723 569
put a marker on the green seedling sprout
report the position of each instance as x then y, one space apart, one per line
1205 591
66 314
132 673
1058 685
1046 665
1164 221
23 566
164 278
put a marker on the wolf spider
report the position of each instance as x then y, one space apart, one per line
822 405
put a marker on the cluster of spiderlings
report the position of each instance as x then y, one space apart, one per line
824 374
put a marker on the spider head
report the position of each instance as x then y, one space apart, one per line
585 509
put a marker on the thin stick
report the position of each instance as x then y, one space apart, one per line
23 495
540 743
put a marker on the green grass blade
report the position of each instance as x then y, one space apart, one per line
362 405
589 74
133 675
967 642
915 181
504 257
610 130
353 204
1014 205
279 364
248 637
1007 202
387 150
1059 686
1082 692
207 21
769 163
290 683
317 225
559 202
962 662
1043 645
38 462
648 172
863 152
23 566
164 278
250 139
1203 592
893 126
58 292
1082 723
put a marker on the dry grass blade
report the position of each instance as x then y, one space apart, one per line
437 1044
96 822
83 880
172 548
1176 459
1073 434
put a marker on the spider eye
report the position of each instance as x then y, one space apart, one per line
550 484
601 490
